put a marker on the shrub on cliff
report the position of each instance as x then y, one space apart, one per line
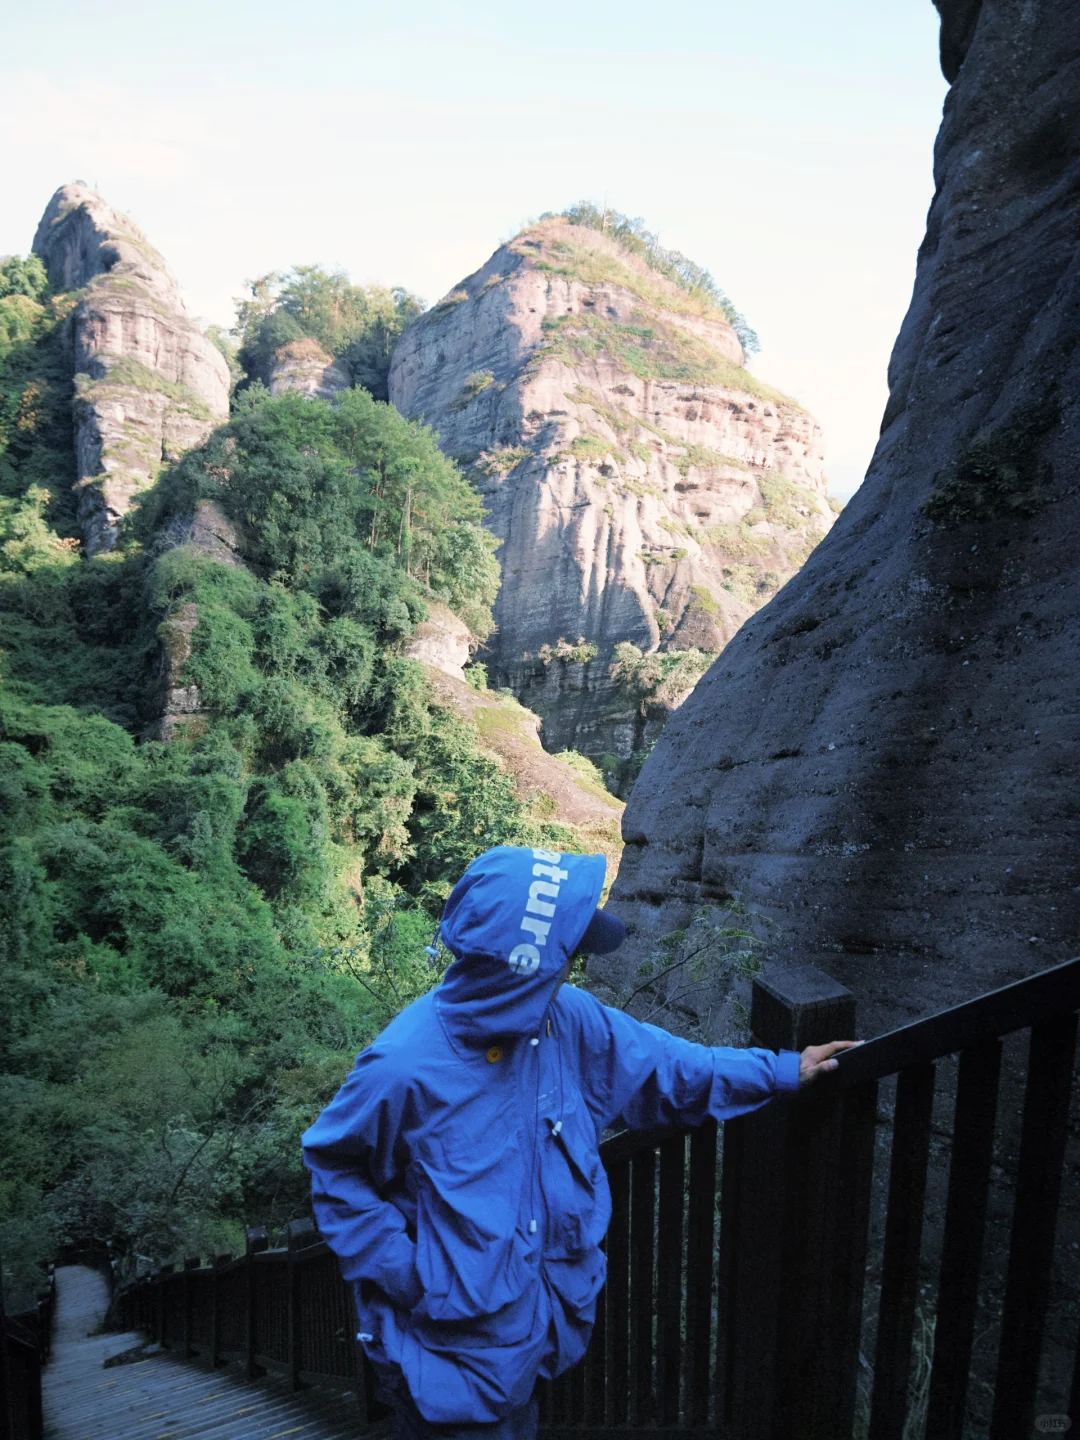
357 324
37 463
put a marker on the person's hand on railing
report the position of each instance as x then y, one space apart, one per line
815 1060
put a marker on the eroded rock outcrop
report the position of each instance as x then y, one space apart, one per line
443 640
883 763
647 489
304 366
149 384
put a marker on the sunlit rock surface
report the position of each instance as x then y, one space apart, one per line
645 487
149 385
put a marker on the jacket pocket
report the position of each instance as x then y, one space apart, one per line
576 1187
476 1262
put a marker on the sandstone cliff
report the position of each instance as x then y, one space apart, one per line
149 384
883 762
647 489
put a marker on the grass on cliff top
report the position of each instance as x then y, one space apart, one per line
632 237
593 267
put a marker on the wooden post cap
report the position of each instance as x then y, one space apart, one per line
795 1006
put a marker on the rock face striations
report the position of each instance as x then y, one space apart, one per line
149 384
647 489
884 761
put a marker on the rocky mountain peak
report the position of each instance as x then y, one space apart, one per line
149 385
650 492
81 236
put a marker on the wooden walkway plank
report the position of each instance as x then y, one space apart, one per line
160 1397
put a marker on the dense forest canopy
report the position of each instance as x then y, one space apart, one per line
357 325
197 936
633 235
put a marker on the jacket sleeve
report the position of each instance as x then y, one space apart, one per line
649 1077
351 1152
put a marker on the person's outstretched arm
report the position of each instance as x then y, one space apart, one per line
350 1151
649 1077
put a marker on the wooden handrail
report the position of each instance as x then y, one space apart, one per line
1055 991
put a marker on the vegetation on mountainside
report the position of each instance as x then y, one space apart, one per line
651 348
693 279
37 460
660 678
357 324
197 937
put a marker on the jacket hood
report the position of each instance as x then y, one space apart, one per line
512 921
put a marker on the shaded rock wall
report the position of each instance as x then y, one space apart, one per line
883 762
645 487
149 384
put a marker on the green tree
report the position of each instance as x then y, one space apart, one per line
358 325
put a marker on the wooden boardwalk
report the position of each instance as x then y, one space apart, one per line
159 1397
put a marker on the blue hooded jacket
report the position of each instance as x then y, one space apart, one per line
456 1172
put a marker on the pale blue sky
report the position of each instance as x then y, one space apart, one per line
786 146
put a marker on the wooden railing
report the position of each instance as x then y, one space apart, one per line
24 1348
737 1299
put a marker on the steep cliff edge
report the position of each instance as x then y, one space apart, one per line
647 490
883 762
149 384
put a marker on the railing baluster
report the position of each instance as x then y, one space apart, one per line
847 1282
642 1260
1031 1251
186 1299
257 1242
215 1309
558 1401
596 1366
699 1271
576 1382
618 1289
726 1292
900 1262
669 1277
962 1246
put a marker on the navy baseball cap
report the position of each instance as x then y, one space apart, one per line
603 934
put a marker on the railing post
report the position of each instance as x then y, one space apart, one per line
163 1272
258 1240
191 1263
790 1255
6 1426
215 1308
300 1233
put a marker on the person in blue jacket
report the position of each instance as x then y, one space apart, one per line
456 1173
